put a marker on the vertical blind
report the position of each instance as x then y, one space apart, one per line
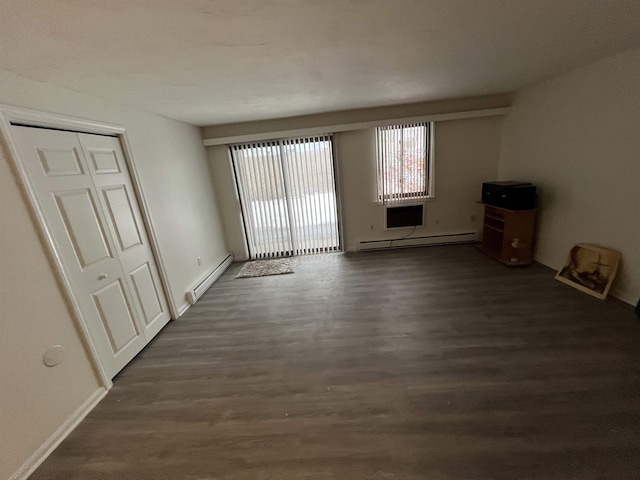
403 155
288 197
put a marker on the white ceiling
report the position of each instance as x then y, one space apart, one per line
225 61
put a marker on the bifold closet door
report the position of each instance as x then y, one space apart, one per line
82 188
118 200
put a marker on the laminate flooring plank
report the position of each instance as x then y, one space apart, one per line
430 363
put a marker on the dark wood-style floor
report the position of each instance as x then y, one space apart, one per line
434 363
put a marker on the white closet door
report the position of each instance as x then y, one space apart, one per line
81 229
118 200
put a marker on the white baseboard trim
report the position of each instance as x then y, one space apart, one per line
183 308
626 297
58 436
543 261
444 239
208 279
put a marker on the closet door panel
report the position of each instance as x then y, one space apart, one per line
112 305
108 168
83 226
147 293
122 216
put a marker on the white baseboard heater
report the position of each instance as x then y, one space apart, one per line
446 239
196 292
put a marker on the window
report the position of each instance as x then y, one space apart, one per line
288 197
404 162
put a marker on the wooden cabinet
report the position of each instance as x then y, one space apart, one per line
507 235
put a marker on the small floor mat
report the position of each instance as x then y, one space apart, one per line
261 268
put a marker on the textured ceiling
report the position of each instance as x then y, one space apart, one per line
216 62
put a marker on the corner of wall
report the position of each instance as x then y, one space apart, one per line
573 135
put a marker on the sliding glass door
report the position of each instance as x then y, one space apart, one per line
288 196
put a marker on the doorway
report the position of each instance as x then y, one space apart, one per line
287 191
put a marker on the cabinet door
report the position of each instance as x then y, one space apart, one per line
519 225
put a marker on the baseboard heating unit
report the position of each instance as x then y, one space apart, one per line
196 292
446 239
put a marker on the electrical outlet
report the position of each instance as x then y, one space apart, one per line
370 227
199 260
472 218
435 221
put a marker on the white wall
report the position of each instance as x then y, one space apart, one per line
36 400
577 137
224 182
467 153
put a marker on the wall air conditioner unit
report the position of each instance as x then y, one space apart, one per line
405 216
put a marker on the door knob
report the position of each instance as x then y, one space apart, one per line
102 276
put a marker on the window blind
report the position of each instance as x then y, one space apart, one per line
288 197
403 162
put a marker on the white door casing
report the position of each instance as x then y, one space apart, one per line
93 215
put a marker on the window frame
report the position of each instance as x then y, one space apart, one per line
384 198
